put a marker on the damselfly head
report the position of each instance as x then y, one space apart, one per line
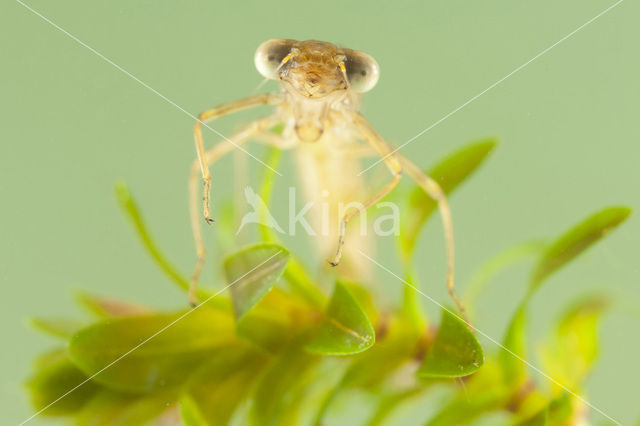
315 69
317 76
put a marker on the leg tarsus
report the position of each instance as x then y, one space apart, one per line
341 233
206 191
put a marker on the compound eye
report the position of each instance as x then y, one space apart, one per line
270 54
362 71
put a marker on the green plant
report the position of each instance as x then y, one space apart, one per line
276 350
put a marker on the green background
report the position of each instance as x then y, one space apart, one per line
72 124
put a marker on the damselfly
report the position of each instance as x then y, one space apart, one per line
318 105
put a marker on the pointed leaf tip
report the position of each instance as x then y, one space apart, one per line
252 272
455 351
577 240
345 328
448 173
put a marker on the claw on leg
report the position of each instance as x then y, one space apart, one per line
206 190
338 256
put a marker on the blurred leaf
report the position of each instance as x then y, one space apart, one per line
108 408
561 410
569 355
190 413
54 381
253 271
576 240
345 328
449 173
540 419
455 352
476 395
412 310
300 282
274 321
226 382
499 262
106 307
388 403
463 409
278 129
128 205
225 226
295 273
515 347
397 345
564 249
145 353
57 327
278 393
327 380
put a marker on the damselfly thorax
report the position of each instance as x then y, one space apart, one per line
319 108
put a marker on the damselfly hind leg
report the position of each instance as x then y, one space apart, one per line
434 191
399 164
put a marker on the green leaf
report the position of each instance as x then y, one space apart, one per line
387 404
295 273
455 351
225 383
576 240
497 263
564 249
252 272
54 382
562 409
190 413
109 408
569 355
398 345
364 297
412 310
57 327
276 397
345 328
106 307
145 353
539 419
464 409
475 396
274 321
449 173
515 347
130 208
302 284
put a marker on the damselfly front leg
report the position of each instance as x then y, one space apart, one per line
207 158
212 114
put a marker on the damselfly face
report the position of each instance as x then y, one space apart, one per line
317 76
